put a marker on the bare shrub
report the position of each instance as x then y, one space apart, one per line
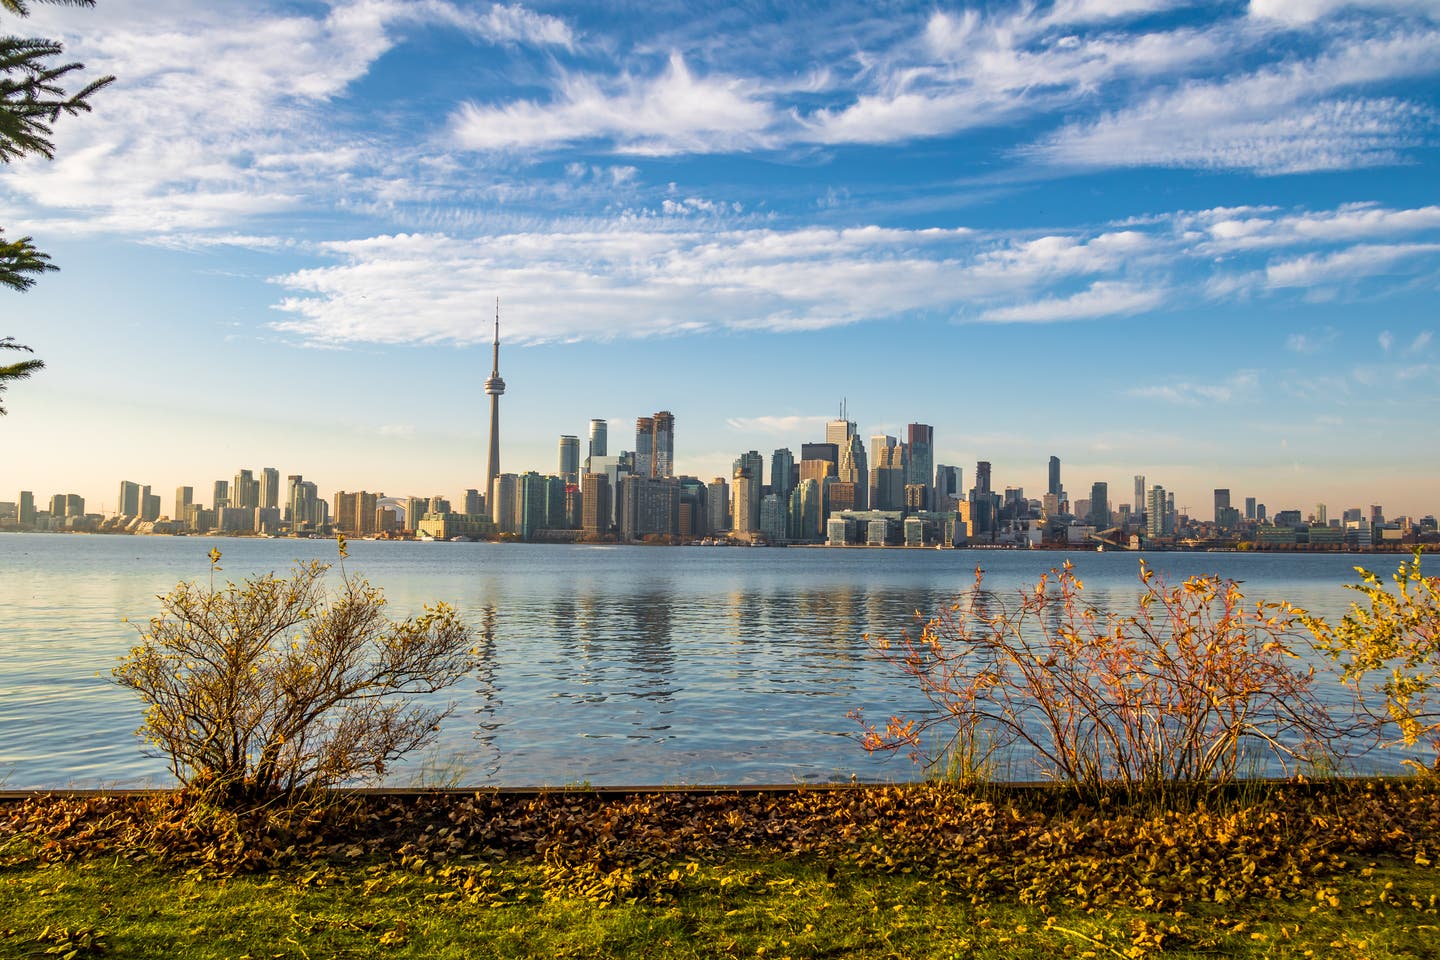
275 684
1193 688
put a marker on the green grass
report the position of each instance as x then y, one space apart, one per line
743 906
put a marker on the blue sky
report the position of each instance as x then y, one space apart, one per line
1198 241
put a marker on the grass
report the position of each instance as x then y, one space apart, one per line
922 871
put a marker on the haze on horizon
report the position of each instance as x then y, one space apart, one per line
1199 242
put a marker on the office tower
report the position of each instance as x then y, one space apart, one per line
598 445
300 500
1250 509
851 464
1377 515
494 389
920 457
128 504
816 470
1100 505
502 503
749 476
57 507
982 476
555 518
774 517
1322 515
1158 522
26 508
645 447
887 473
534 503
74 505
184 499
269 487
245 490
828 452
595 508
1054 485
569 459
220 499
718 495
949 486
806 511
694 507
1139 507
783 475
149 504
1222 504
663 447
291 482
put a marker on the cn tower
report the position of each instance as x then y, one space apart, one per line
494 387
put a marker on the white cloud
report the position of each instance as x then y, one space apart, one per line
1314 341
1357 262
1246 230
1387 340
1101 299
1421 341
1242 384
779 425
675 112
1285 118
1299 12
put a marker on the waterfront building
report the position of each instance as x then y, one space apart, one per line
694 508
354 512
533 503
595 508
556 517
128 503
502 500
851 464
828 452
245 490
882 453
569 459
1054 479
474 503
784 473
220 497
617 469
1250 508
745 511
920 457
267 520
26 508
774 517
718 495
438 504
663 445
149 505
1322 515
415 510
1139 507
806 511
1222 505
1158 520
650 507
269 487
843 495
184 499
816 470
495 389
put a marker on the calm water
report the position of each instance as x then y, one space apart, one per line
613 665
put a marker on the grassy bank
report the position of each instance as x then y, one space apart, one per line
1344 870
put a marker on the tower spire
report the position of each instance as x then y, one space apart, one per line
494 387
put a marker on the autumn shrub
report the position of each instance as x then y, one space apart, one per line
276 684
1389 649
1191 689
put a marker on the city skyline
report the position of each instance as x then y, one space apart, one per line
1199 243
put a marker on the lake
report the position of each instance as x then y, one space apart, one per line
602 664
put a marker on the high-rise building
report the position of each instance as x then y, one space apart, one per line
982 476
128 504
851 464
569 459
1158 520
502 503
220 498
1139 507
1250 509
26 509
887 473
949 486
269 488
302 503
783 474
749 476
1100 505
494 389
828 452
774 517
1322 515
645 447
438 504
534 503
149 504
184 500
245 490
718 495
1222 504
595 511
415 508
807 513
474 504
598 443
650 507
663 447
920 457
1054 484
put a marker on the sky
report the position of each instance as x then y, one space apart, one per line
1194 241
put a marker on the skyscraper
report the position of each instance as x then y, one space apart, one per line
1222 506
663 447
598 444
644 447
782 473
949 486
851 465
920 457
749 474
1100 505
595 511
184 498
128 504
570 459
1139 494
1158 522
1054 486
269 488
494 388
